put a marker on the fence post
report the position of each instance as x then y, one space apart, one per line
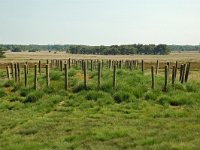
99 74
85 74
8 72
142 65
183 74
166 78
18 72
35 77
157 67
69 63
39 66
173 75
176 68
15 66
187 72
153 79
114 76
47 75
25 75
12 69
66 76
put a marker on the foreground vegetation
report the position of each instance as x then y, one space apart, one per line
132 116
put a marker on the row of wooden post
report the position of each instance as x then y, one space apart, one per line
184 73
15 69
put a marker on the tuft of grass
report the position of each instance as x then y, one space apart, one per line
121 96
34 96
9 83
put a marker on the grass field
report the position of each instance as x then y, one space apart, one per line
132 116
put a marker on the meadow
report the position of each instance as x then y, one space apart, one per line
129 116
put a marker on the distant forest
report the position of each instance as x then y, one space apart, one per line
160 49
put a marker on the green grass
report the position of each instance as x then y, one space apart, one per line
132 116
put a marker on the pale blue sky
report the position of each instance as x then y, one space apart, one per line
99 22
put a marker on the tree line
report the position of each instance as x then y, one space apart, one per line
100 50
161 49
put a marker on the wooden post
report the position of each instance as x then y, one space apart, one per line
176 68
69 63
168 64
12 69
183 74
99 74
187 72
61 65
27 67
142 65
15 66
85 74
153 79
114 76
66 76
91 65
157 67
39 67
35 77
173 75
47 75
18 72
25 75
166 79
8 72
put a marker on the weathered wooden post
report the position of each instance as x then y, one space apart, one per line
69 63
183 73
18 72
176 68
91 65
85 74
153 79
27 67
8 72
39 64
187 72
12 69
142 65
99 74
47 75
35 77
66 76
114 76
61 65
25 75
173 75
166 79
157 67
15 66
168 64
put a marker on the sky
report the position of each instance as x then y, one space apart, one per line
100 22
